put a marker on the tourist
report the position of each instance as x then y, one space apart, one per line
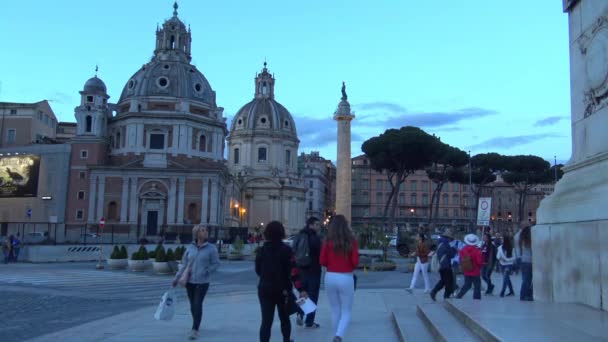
340 254
310 274
523 245
488 253
16 247
445 253
422 264
6 249
457 245
471 262
506 257
275 264
200 260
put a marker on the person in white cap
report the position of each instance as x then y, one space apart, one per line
471 262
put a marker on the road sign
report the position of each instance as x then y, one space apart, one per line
484 211
102 222
28 213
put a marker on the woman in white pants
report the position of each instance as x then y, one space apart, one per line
340 255
422 264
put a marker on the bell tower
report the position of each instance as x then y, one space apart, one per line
92 113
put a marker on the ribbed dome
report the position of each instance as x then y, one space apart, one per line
169 79
263 114
95 85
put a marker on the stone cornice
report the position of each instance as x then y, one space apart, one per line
568 4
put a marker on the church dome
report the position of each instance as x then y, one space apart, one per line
95 85
263 113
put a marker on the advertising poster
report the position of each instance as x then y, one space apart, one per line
19 176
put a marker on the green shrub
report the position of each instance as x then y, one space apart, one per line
152 254
115 253
141 254
169 256
160 254
123 252
179 252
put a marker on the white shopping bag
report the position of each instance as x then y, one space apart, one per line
305 304
166 308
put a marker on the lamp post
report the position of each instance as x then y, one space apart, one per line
242 212
471 203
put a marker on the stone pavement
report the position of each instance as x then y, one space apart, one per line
236 317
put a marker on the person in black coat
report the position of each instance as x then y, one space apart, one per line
275 265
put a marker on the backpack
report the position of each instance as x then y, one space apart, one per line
466 264
301 250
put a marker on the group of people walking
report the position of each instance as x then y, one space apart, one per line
477 261
10 249
281 269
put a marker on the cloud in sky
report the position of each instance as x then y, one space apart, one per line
510 142
62 98
549 121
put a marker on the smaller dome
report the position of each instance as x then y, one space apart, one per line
95 85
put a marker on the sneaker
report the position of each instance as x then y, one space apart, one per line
337 339
193 335
410 290
299 320
433 296
427 291
314 325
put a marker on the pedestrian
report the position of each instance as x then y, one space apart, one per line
200 261
524 252
275 265
6 249
422 264
16 247
506 257
488 253
340 255
310 270
471 262
445 253
457 245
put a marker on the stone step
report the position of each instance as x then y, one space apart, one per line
409 327
470 323
443 325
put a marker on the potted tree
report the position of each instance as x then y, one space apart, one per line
236 252
170 257
160 264
139 260
179 254
117 260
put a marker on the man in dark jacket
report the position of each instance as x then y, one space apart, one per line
445 253
311 275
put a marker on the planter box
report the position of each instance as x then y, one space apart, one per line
161 267
235 256
139 265
118 264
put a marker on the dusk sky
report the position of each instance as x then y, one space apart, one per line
486 76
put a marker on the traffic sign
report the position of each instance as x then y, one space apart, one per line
484 211
102 222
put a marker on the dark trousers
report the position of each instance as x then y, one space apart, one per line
268 301
468 281
526 292
506 279
447 281
311 283
486 275
196 295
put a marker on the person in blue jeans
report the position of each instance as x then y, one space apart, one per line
506 258
310 275
524 252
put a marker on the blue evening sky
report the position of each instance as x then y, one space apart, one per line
486 76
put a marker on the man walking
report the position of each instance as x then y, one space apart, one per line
307 248
445 253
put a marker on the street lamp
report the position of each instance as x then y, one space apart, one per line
241 214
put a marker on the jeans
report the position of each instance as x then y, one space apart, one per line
16 253
506 279
420 267
196 295
311 283
526 292
340 290
447 281
270 299
486 275
468 281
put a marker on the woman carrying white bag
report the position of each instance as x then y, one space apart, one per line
200 260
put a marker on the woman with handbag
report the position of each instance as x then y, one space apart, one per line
422 254
506 257
275 264
200 260
340 255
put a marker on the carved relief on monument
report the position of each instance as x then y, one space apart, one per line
593 45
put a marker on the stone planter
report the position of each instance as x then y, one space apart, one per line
161 267
139 265
380 266
174 266
118 264
235 256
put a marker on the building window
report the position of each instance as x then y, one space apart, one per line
379 183
80 195
455 200
192 213
112 211
446 199
413 199
365 196
379 197
414 185
40 116
261 154
310 184
79 214
13 112
11 136
89 98
236 155
157 141
288 157
46 119
446 213
82 175
425 186
310 205
456 187
456 213
425 199
117 140
84 154
401 198
202 143
88 124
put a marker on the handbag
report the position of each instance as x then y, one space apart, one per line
290 302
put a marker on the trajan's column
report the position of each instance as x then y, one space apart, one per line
570 240
343 177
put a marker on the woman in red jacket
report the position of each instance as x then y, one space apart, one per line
340 255
471 262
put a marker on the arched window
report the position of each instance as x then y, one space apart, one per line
210 144
236 155
88 124
455 200
192 213
202 143
413 199
264 88
112 211
446 199
172 42
262 154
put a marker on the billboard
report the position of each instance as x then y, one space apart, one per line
19 176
